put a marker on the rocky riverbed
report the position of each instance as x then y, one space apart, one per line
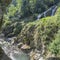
11 51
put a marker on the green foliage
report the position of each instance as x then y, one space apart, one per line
18 26
30 7
12 29
12 10
26 8
40 32
54 47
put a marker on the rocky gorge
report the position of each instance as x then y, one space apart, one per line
30 30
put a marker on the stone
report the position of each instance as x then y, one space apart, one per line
32 53
41 58
24 47
20 45
35 55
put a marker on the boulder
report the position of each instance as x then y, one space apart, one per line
26 48
20 45
35 55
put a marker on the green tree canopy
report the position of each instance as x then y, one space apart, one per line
3 5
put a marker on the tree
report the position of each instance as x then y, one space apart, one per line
54 47
25 7
3 5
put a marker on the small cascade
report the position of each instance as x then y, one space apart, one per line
51 10
44 14
54 10
39 16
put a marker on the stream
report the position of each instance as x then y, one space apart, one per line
12 51
51 11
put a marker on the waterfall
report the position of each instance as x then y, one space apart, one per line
44 14
39 16
53 11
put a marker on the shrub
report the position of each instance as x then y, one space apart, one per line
54 47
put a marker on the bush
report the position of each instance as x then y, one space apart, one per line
54 47
40 32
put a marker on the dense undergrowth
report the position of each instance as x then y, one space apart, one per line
43 32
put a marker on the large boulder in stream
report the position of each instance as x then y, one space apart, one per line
3 56
26 48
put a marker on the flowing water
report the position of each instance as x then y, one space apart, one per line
44 14
12 51
54 10
18 56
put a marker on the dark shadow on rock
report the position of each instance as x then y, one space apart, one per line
3 56
53 58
